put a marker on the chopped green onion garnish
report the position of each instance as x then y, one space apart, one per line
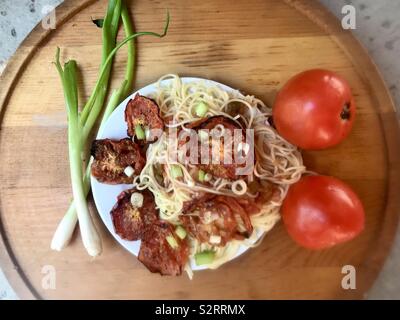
137 200
147 133
190 183
98 22
139 132
205 257
201 109
202 175
176 171
207 177
172 242
129 171
180 232
215 239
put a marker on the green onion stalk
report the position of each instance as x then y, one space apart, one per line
110 27
109 36
87 119
90 237
204 258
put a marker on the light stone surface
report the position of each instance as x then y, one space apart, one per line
377 26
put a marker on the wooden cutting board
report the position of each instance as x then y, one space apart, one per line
253 45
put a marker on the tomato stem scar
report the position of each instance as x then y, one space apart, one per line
345 114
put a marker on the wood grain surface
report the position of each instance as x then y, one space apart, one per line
252 45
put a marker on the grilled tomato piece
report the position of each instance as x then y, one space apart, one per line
162 250
143 118
111 157
222 160
131 222
215 220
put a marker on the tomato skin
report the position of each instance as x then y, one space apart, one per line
314 110
320 212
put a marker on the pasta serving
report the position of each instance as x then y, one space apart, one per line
208 172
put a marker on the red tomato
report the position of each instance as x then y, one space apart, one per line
320 212
314 110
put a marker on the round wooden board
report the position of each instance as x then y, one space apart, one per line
253 45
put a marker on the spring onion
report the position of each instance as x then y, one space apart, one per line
172 241
65 229
137 200
207 177
116 97
176 171
109 34
202 175
239 187
98 22
68 75
129 171
139 132
110 25
205 257
214 239
191 183
147 133
201 109
181 232
130 64
92 116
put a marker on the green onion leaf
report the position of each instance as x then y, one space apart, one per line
88 118
117 9
180 232
172 242
176 171
131 51
202 175
90 236
205 257
139 132
201 109
98 22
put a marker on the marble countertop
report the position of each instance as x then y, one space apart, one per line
377 26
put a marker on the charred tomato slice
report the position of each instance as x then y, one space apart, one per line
221 162
216 216
132 223
145 113
111 157
158 255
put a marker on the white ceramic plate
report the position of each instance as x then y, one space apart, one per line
105 195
